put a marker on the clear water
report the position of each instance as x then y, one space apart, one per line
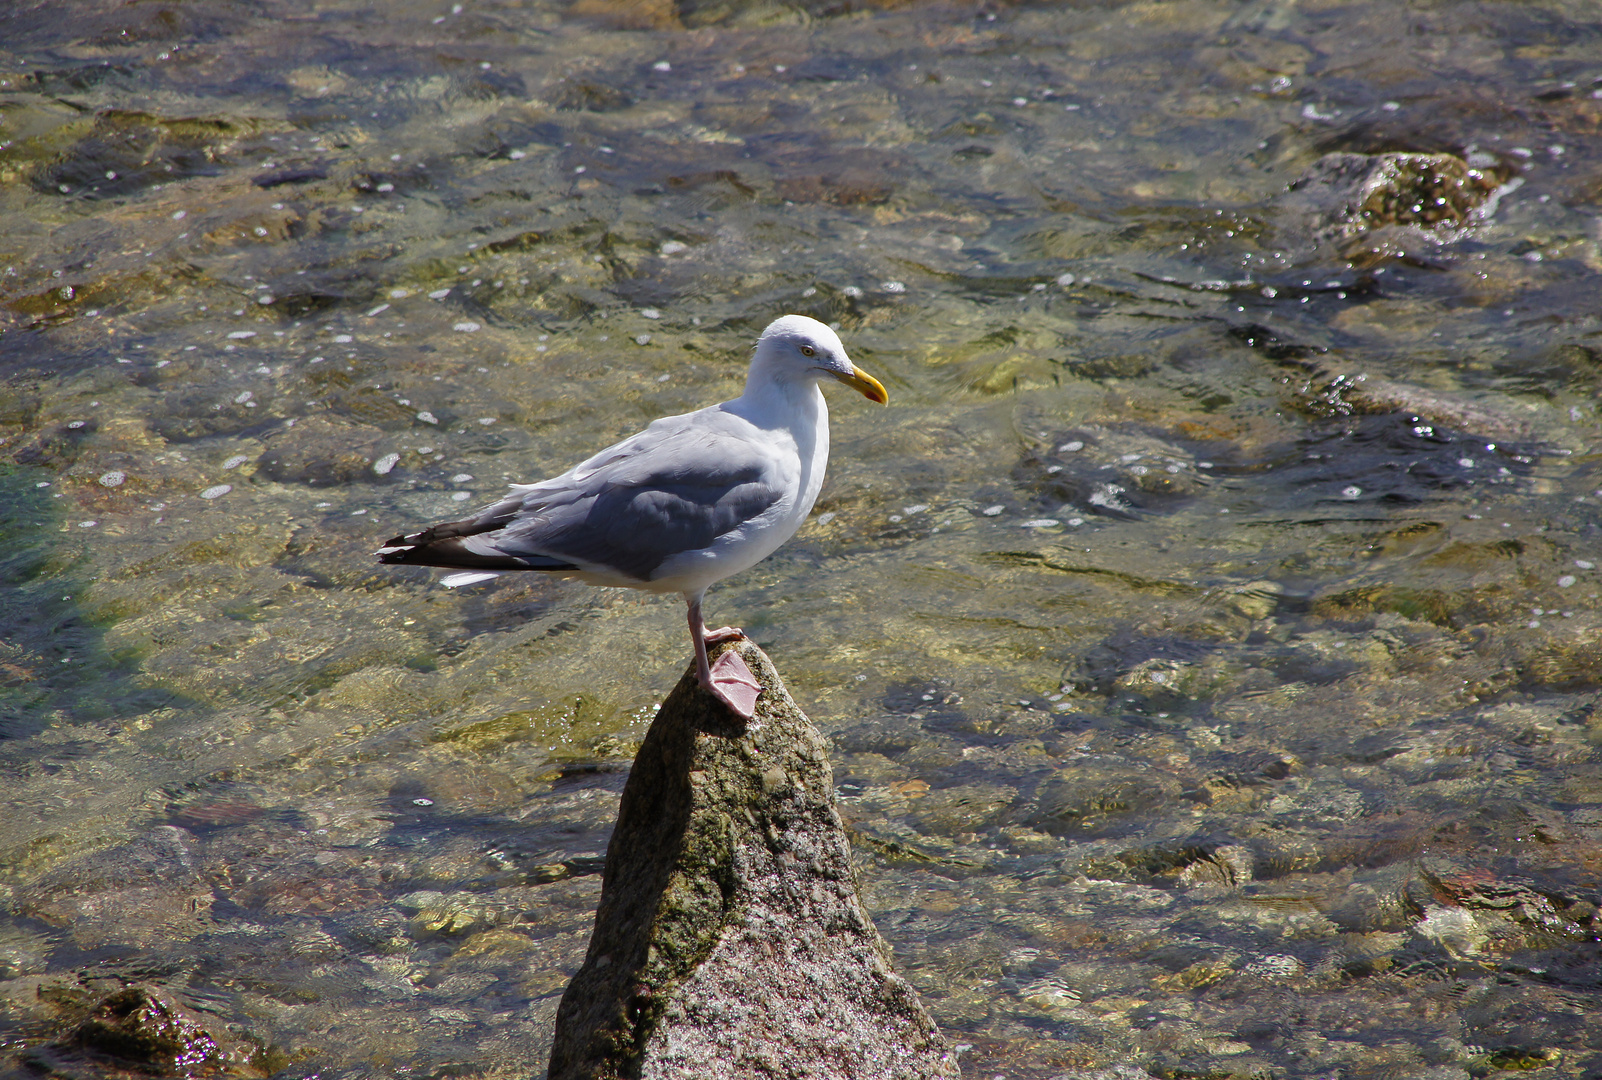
1208 631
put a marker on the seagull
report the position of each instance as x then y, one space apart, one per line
685 503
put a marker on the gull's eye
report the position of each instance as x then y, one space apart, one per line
808 350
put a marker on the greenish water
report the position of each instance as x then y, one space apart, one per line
1207 632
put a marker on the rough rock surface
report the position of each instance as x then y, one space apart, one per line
139 1031
1347 195
730 940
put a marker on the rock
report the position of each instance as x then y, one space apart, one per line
1346 195
730 940
1096 790
140 1029
322 452
1355 393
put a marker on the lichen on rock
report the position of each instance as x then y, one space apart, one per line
1351 194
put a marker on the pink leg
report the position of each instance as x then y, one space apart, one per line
730 679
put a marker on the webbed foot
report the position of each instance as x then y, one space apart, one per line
733 684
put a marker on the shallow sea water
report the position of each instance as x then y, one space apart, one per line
1207 632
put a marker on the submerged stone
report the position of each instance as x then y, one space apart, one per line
321 452
730 940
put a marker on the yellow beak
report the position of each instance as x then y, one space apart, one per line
864 384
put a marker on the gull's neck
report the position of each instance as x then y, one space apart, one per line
777 398
797 409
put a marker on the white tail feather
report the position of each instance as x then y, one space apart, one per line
468 577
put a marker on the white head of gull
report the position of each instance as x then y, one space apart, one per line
685 503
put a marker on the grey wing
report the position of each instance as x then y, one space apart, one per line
673 488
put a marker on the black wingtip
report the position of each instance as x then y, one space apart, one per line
452 554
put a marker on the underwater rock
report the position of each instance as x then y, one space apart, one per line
1092 792
321 452
730 940
1352 393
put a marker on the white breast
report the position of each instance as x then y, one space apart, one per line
803 438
